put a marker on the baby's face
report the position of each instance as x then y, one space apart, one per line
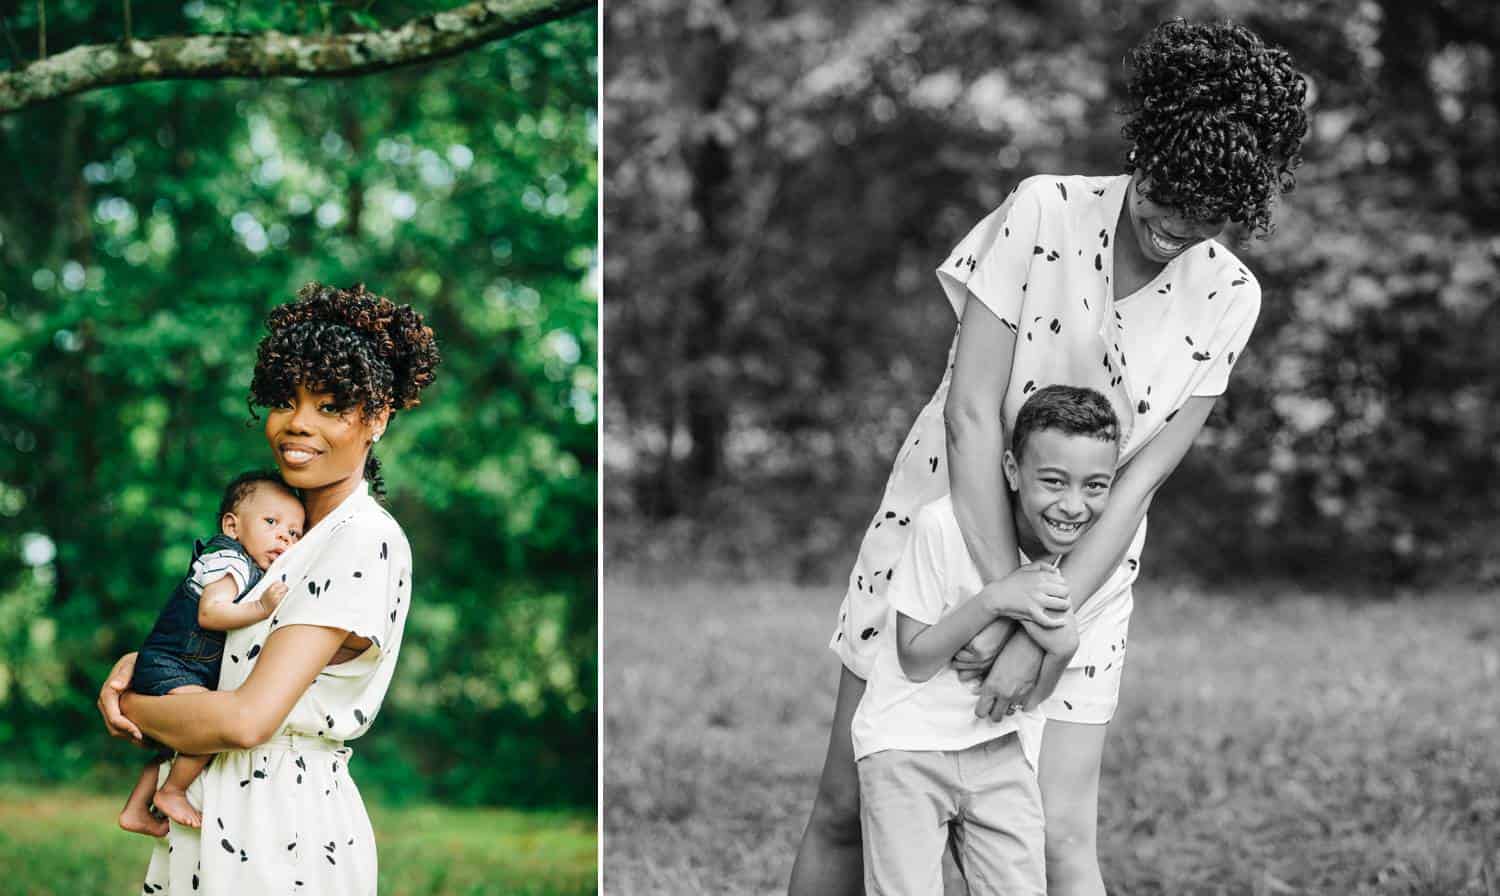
1062 485
267 522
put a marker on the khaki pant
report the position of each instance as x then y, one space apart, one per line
987 793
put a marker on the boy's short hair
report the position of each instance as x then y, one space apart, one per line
245 484
1075 410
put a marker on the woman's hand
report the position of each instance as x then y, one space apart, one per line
109 700
1034 593
1011 679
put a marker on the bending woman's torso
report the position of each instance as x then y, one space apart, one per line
1043 262
286 816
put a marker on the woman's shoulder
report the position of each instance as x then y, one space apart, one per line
1219 268
1057 190
369 522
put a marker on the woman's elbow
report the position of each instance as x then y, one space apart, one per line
964 416
249 728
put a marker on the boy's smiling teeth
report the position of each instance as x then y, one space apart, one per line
1062 528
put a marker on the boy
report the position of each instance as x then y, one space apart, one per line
925 760
259 518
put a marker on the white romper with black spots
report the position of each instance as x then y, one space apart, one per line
1042 262
285 817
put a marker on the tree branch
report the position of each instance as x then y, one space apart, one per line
272 54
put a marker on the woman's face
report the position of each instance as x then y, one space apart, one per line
1161 231
316 443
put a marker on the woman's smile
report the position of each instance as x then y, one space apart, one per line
295 454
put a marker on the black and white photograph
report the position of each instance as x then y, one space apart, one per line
1049 448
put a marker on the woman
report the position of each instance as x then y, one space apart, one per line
280 812
1115 283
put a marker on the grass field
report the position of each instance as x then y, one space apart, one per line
65 842
1264 745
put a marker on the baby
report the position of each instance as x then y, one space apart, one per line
259 518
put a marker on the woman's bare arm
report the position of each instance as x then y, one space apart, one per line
214 721
1103 546
976 440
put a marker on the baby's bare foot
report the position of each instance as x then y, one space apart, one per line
137 819
174 804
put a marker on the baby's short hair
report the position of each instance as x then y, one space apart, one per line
245 484
1075 410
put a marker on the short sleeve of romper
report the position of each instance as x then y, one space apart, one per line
215 565
991 262
1231 336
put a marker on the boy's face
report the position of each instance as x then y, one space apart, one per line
267 522
1061 485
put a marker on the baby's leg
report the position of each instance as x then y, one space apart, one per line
172 799
136 817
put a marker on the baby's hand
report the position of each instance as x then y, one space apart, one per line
271 598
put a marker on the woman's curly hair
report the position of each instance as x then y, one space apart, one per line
366 350
1216 120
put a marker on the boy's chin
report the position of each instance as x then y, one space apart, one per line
1056 545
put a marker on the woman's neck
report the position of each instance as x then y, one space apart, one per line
320 501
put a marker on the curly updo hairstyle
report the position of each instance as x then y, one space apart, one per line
366 350
1216 121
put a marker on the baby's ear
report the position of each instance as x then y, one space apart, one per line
229 524
1011 469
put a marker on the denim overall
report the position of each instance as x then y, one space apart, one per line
178 652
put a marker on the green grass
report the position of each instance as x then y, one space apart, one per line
66 842
1291 744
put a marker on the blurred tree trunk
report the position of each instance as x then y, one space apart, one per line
697 397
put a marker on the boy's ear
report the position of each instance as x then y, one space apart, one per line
1012 470
229 524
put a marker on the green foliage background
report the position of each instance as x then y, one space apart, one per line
782 186
144 233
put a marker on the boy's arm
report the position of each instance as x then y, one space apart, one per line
218 612
1035 592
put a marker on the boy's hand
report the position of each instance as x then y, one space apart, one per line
109 700
1035 593
271 598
